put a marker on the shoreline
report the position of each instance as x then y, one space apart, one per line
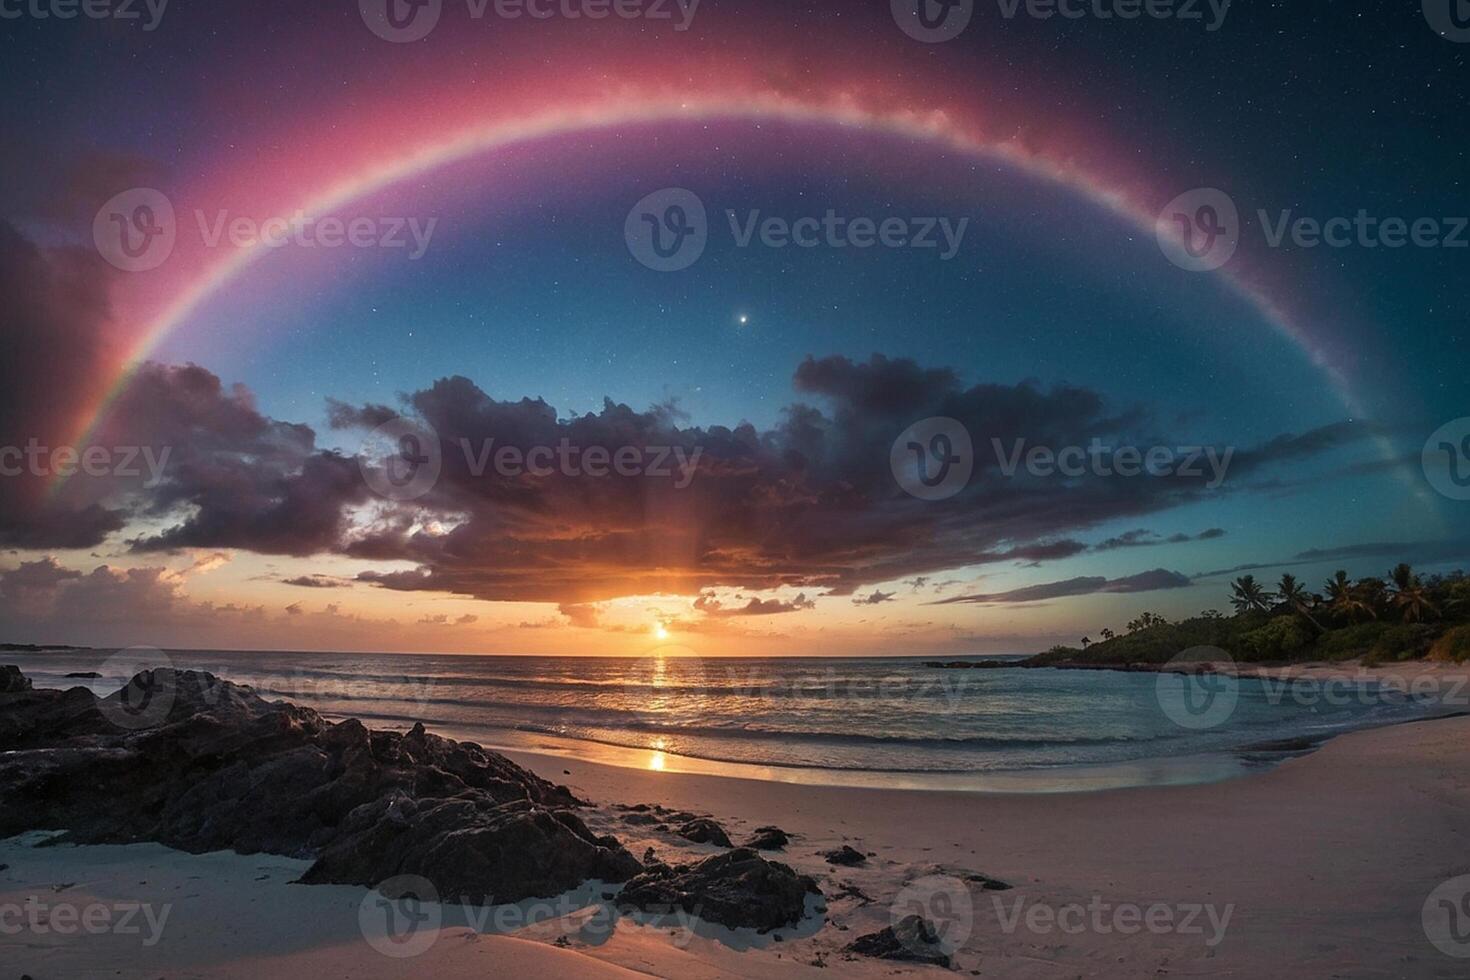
1294 850
1335 679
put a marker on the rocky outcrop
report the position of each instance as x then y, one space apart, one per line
197 763
911 940
768 839
845 856
738 889
12 681
702 830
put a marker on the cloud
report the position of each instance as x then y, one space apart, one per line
876 599
316 582
1151 581
582 616
1141 538
710 606
57 354
808 504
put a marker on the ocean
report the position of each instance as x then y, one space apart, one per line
841 721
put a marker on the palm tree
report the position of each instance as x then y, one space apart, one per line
1298 598
1346 599
1409 595
1249 596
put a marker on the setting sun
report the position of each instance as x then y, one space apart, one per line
660 631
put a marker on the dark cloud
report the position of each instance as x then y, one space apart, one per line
1141 538
810 504
1391 551
1151 581
877 598
57 356
316 582
710 606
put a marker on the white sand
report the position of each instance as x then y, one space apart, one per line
1324 864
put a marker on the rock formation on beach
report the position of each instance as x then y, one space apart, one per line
202 764
12 680
738 888
911 939
221 768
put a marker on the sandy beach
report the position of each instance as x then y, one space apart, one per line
1217 880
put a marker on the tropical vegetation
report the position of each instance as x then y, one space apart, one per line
1402 616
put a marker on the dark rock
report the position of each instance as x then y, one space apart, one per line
738 889
702 830
640 819
845 856
12 681
649 857
986 882
910 940
768 839
224 769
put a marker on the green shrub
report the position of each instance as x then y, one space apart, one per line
1283 638
1350 641
1453 647
1404 642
